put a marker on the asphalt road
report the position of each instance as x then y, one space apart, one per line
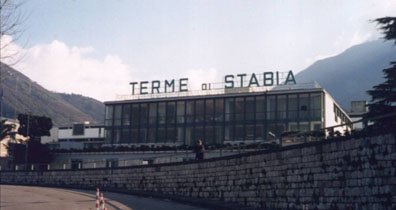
42 198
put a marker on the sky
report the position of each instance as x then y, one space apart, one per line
96 48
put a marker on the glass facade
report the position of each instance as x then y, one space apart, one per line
215 120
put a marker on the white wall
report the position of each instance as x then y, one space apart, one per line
330 115
52 138
88 133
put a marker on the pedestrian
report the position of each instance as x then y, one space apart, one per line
199 150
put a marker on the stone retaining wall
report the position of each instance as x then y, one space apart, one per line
339 174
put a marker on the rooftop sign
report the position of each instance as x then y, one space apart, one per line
266 79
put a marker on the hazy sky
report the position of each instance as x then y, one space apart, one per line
96 48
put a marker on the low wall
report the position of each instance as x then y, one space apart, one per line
339 174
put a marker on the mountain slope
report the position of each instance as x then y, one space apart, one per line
350 74
22 95
90 106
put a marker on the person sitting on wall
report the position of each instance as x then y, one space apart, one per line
199 150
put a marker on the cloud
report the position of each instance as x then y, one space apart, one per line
10 53
61 68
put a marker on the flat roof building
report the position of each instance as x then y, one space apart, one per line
233 115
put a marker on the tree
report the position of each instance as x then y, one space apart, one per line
10 20
383 96
38 125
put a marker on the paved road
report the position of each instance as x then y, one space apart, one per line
41 198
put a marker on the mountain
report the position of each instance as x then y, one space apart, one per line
22 95
90 106
350 74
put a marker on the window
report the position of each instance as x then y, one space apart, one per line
153 114
292 107
134 135
142 135
209 135
199 111
209 111
218 134
108 134
229 109
260 108
125 135
304 104
190 111
239 109
180 111
135 115
109 115
293 126
229 133
239 133
260 131
180 134
250 108
161 112
219 110
249 132
271 107
171 112
143 114
78 129
199 134
161 135
171 135
281 107
126 114
304 126
117 136
152 132
316 106
189 136
117 115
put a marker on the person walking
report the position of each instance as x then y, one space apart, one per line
199 150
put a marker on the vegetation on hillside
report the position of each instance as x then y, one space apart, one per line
22 95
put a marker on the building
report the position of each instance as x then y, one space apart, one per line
230 115
77 136
358 110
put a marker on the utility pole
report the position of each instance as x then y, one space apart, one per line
27 143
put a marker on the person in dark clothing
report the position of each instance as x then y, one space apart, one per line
199 150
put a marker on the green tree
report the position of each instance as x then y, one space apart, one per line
383 96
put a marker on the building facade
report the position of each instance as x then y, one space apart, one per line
77 136
230 117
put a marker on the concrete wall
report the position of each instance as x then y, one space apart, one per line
88 133
338 174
